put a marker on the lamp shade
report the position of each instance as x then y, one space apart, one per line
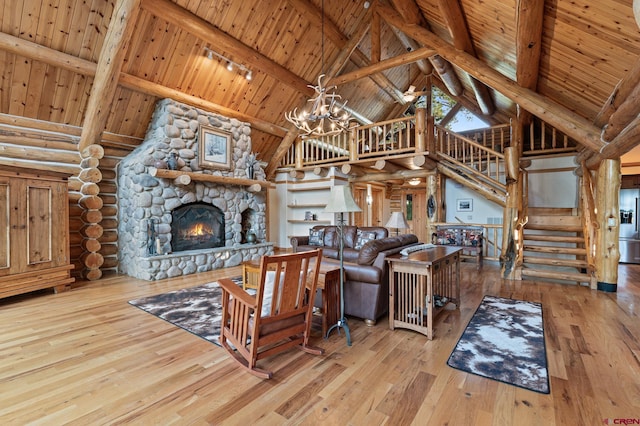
341 200
397 221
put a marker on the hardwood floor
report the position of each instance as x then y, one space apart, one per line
88 357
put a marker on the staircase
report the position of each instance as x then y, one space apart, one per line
554 248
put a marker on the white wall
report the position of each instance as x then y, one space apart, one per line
553 183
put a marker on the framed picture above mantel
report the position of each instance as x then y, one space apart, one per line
214 148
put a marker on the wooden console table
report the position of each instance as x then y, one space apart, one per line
420 285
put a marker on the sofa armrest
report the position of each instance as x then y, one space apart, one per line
393 245
302 240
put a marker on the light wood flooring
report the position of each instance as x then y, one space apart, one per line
87 357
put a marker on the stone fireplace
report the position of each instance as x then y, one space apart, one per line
168 228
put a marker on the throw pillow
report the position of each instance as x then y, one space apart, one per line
363 238
316 237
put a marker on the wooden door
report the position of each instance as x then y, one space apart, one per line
415 211
360 197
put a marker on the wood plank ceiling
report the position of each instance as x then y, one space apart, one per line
569 55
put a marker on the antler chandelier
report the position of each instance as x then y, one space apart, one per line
326 116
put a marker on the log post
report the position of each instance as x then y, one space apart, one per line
512 230
607 243
353 144
91 216
511 233
299 161
421 144
434 210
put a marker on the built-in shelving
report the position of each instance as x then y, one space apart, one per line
315 222
306 206
303 199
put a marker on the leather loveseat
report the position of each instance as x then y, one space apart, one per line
366 287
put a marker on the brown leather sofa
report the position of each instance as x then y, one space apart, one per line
366 287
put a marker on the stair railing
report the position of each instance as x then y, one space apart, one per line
471 156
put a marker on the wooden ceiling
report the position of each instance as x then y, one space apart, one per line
568 58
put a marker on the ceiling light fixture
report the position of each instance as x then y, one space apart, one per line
326 117
248 74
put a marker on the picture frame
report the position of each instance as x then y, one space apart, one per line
214 148
464 205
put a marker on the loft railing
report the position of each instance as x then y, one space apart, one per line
386 138
398 136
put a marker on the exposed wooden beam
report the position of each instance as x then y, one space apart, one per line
619 95
110 63
568 122
622 117
280 152
405 58
529 19
453 16
177 15
375 38
621 144
82 66
409 44
529 16
381 177
412 14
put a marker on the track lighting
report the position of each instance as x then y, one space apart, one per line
231 65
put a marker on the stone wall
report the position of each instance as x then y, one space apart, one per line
141 197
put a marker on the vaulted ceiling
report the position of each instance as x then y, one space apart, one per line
102 65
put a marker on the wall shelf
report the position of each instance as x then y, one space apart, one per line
317 222
310 188
306 206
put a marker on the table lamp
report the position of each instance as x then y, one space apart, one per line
341 201
397 221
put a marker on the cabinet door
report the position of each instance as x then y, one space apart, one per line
46 211
4 225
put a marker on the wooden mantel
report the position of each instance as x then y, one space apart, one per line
184 178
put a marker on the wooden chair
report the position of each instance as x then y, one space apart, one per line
278 317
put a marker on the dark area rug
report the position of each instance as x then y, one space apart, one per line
504 341
197 309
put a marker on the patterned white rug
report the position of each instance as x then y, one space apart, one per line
197 309
504 341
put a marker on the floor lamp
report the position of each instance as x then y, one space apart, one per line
341 201
397 221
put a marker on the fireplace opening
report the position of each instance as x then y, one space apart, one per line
197 226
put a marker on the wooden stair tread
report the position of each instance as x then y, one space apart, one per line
553 238
556 275
551 227
574 251
554 261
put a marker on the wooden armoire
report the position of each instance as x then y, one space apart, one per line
34 231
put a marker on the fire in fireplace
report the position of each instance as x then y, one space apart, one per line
197 226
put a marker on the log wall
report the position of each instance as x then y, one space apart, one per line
50 146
